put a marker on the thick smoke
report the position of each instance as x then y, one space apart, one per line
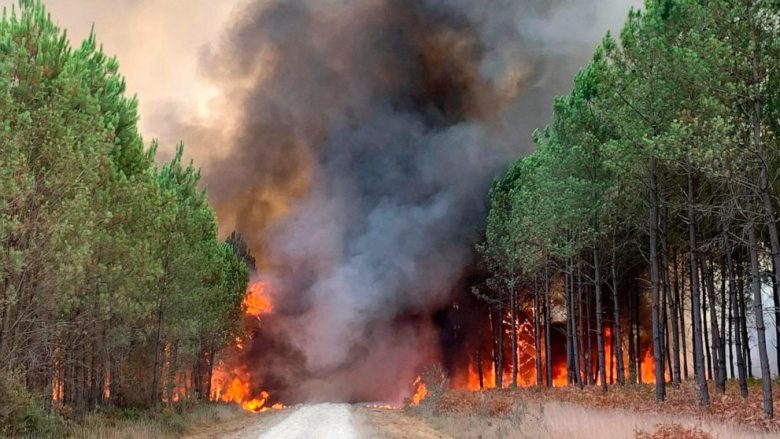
363 136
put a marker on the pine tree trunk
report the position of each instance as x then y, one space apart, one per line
576 346
547 341
698 349
675 345
776 301
758 311
537 333
621 376
704 315
154 395
513 327
631 348
571 336
599 318
212 353
493 344
500 344
172 368
582 370
730 332
723 323
660 389
681 312
638 334
743 320
720 363
736 309
665 331
479 369
589 341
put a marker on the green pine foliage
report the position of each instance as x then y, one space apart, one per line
687 94
113 283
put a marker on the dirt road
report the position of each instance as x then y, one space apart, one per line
551 421
326 421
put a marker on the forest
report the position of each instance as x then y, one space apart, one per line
650 207
114 288
638 243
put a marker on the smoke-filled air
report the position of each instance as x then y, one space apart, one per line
362 137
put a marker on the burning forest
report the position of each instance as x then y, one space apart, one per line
363 210
402 202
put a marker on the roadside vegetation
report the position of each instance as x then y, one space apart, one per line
624 412
115 291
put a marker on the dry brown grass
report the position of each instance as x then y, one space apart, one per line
553 420
730 409
589 413
673 431
165 424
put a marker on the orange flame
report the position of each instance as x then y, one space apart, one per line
420 391
469 379
232 384
256 301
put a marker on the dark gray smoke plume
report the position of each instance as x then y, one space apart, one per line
363 136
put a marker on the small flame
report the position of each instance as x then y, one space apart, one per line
420 391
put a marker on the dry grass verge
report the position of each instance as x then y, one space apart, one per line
629 413
673 431
144 425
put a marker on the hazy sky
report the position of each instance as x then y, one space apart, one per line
156 41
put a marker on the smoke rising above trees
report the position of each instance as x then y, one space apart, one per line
360 140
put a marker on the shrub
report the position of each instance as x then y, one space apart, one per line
23 414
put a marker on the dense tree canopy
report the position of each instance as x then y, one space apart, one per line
664 156
109 265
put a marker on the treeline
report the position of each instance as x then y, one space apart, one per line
114 288
656 183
